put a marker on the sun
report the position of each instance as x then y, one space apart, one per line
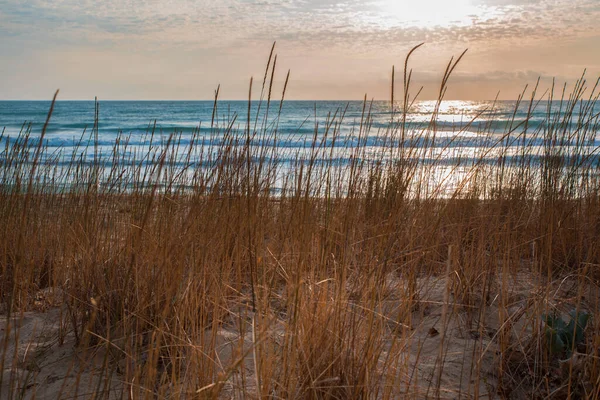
429 13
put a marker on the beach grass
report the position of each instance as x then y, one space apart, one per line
229 274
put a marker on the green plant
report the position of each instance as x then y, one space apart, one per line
563 337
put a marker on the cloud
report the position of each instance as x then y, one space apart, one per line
179 37
309 22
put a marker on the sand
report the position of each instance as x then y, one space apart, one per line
45 367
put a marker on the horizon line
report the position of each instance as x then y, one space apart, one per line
246 100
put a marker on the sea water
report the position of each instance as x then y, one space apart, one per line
455 133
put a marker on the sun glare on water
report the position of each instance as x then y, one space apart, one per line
430 13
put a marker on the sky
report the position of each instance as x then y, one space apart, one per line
335 49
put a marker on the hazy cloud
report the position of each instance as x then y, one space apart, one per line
224 36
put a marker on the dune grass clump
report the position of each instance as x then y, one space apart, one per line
208 268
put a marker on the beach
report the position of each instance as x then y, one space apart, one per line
211 264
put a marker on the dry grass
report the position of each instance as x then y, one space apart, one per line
230 274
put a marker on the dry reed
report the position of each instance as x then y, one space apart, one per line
191 274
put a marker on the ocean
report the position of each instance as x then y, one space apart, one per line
455 135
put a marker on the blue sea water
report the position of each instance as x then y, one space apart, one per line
463 129
297 119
